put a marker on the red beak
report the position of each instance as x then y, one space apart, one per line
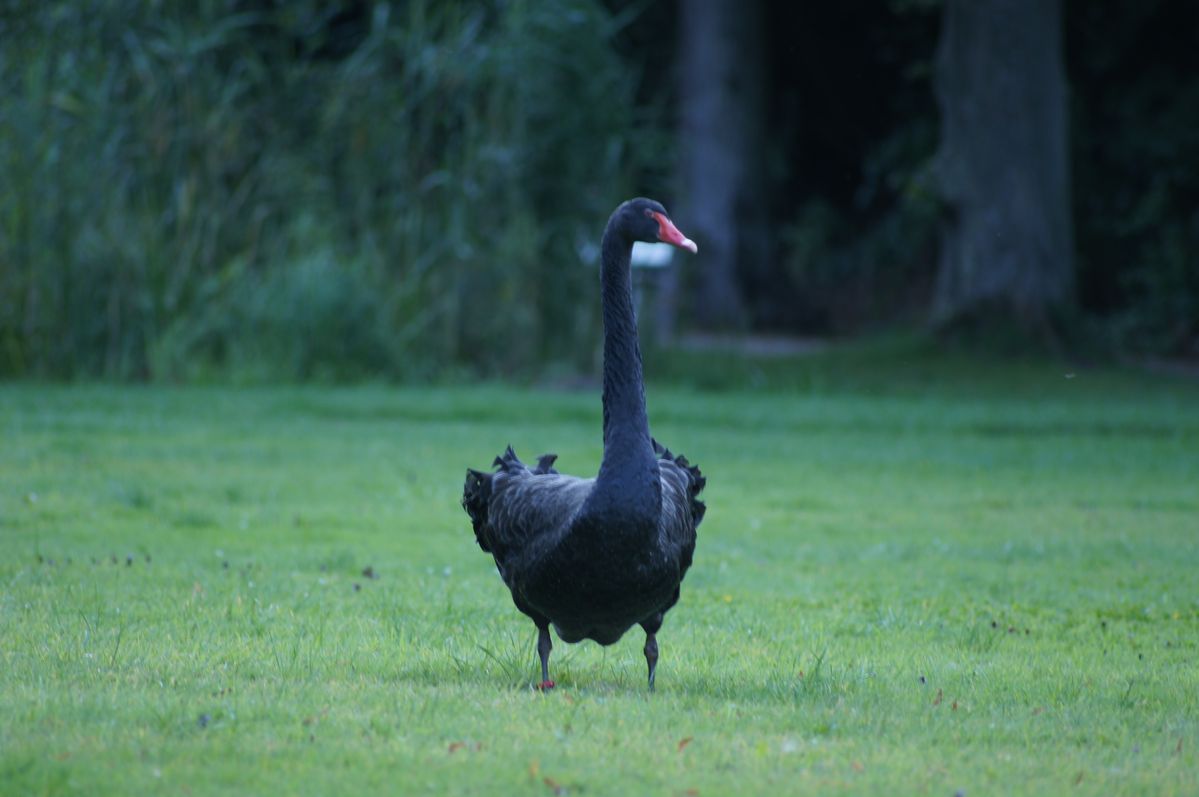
668 233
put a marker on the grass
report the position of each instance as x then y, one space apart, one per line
967 578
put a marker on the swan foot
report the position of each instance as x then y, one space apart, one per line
545 685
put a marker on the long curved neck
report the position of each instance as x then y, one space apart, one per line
628 453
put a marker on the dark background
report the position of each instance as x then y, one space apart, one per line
266 190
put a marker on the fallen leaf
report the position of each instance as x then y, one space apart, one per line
937 699
686 740
954 706
534 768
1038 710
1078 779
857 766
456 746
555 785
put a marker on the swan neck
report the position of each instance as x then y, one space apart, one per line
626 425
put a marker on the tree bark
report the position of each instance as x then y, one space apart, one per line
722 130
1003 164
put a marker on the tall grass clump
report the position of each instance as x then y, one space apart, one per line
251 189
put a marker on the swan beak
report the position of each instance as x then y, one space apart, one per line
668 233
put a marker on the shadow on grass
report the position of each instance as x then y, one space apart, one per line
512 666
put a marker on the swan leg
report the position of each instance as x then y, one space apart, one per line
651 657
544 646
651 626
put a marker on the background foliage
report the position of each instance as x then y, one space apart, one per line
1136 161
291 190
261 190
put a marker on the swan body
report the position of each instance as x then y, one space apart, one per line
595 556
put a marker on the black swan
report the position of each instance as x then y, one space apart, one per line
593 557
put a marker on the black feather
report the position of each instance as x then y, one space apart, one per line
476 494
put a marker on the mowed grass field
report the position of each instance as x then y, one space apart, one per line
966 579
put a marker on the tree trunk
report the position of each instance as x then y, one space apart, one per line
1003 164
721 119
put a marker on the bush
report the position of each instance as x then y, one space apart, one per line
851 274
303 189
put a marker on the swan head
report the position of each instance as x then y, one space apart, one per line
646 220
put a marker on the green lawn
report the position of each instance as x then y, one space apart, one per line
919 580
